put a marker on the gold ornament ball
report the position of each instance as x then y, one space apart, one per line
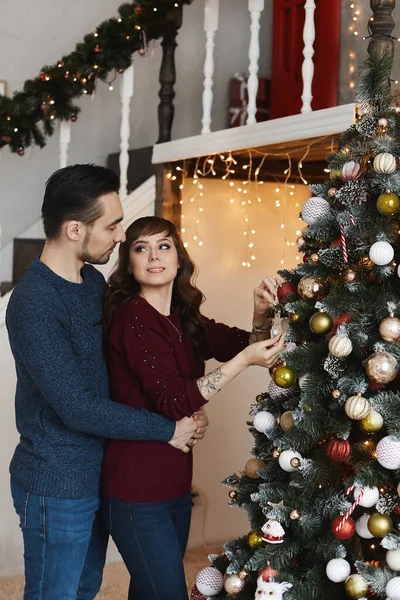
234 584
284 376
336 394
388 204
389 329
276 452
381 367
314 257
334 173
312 288
355 586
286 421
321 323
380 525
259 398
350 275
295 515
294 317
372 423
255 540
252 466
366 263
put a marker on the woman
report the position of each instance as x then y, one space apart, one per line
157 344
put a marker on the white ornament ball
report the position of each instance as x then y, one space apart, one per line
288 460
393 589
264 421
388 453
393 559
398 271
338 570
303 380
384 163
381 253
340 346
362 527
313 209
369 498
210 581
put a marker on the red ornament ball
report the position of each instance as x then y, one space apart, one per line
306 258
374 386
97 49
285 290
138 10
66 76
74 118
121 70
338 450
346 531
339 321
41 76
196 595
21 152
268 573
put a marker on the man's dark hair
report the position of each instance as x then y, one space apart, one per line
72 194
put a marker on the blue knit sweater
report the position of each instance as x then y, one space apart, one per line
63 407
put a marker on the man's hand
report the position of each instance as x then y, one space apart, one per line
184 432
202 423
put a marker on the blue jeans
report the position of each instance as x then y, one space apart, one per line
151 538
65 545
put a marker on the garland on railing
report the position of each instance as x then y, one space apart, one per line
29 116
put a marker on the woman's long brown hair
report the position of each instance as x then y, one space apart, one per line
186 297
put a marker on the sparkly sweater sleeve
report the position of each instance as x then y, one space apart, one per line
224 342
146 347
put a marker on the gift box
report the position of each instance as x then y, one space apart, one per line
238 100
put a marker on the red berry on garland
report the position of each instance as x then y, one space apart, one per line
306 258
346 531
21 152
41 76
285 290
339 450
121 70
97 49
74 118
336 242
138 10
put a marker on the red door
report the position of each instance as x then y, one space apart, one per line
287 56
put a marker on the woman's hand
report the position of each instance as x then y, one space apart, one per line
265 353
265 297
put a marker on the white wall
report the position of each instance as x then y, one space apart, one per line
36 34
228 287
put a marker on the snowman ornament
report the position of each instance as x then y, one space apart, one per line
270 590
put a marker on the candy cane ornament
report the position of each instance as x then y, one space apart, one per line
353 506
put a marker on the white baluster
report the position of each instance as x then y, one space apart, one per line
127 86
65 138
255 8
211 11
307 69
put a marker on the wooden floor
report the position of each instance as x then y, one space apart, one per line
115 582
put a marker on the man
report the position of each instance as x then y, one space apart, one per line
63 408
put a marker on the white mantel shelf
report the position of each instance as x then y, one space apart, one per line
297 127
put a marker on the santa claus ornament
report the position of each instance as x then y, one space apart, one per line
270 590
273 532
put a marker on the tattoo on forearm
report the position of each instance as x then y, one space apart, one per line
210 383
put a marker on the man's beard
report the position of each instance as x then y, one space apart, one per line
89 258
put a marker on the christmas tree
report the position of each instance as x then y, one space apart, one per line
322 488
